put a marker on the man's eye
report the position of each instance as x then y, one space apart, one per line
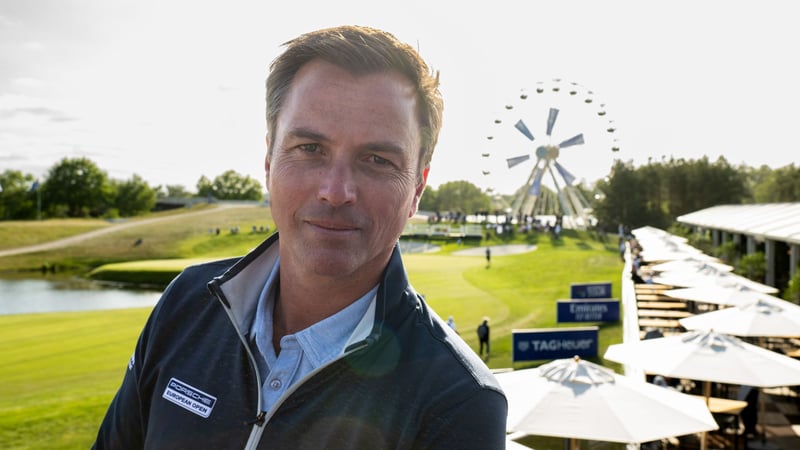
378 160
309 148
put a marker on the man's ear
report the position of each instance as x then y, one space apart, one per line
418 191
266 161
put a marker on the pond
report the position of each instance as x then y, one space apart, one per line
40 295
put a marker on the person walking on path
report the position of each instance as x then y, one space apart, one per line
483 337
488 257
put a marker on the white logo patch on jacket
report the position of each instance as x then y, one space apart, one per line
189 397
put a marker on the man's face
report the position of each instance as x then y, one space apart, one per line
343 173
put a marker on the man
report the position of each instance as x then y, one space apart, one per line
483 337
316 338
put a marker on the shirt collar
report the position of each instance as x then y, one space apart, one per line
322 341
327 339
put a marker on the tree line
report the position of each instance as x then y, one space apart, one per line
657 193
77 187
652 194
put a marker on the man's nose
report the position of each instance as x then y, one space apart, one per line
337 184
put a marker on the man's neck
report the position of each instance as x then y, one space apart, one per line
302 303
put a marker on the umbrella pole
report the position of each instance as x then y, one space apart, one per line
573 444
761 405
707 395
762 410
762 443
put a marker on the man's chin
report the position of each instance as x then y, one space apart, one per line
328 262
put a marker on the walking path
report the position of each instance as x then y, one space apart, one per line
497 250
60 243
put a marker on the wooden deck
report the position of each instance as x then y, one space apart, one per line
664 313
662 305
669 324
660 311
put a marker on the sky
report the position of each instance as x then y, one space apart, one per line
172 90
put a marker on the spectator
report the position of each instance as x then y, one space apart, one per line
483 337
451 322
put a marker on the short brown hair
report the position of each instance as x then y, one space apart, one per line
361 51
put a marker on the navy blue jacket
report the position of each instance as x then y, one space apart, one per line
192 382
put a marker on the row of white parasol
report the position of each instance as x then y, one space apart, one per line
711 351
576 399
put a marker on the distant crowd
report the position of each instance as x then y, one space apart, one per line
236 230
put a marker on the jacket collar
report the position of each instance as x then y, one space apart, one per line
239 287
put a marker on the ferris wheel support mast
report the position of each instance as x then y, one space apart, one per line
528 195
566 204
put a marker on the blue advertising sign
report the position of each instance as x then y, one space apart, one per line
554 343
594 310
590 290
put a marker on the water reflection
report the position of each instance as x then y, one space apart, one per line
49 295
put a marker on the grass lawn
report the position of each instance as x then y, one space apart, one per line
17 233
176 236
518 291
61 370
59 373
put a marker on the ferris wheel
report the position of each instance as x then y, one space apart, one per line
573 122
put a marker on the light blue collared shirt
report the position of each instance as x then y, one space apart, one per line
305 350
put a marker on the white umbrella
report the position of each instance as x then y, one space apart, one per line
708 356
720 295
709 276
690 264
761 318
648 232
577 399
660 252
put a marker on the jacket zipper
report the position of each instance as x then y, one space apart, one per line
258 423
261 420
261 417
255 433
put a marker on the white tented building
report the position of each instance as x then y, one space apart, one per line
771 228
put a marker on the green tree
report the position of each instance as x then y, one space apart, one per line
711 184
675 186
230 185
779 185
752 266
792 292
429 200
462 196
77 188
653 191
658 192
17 201
205 188
174 191
134 197
621 198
